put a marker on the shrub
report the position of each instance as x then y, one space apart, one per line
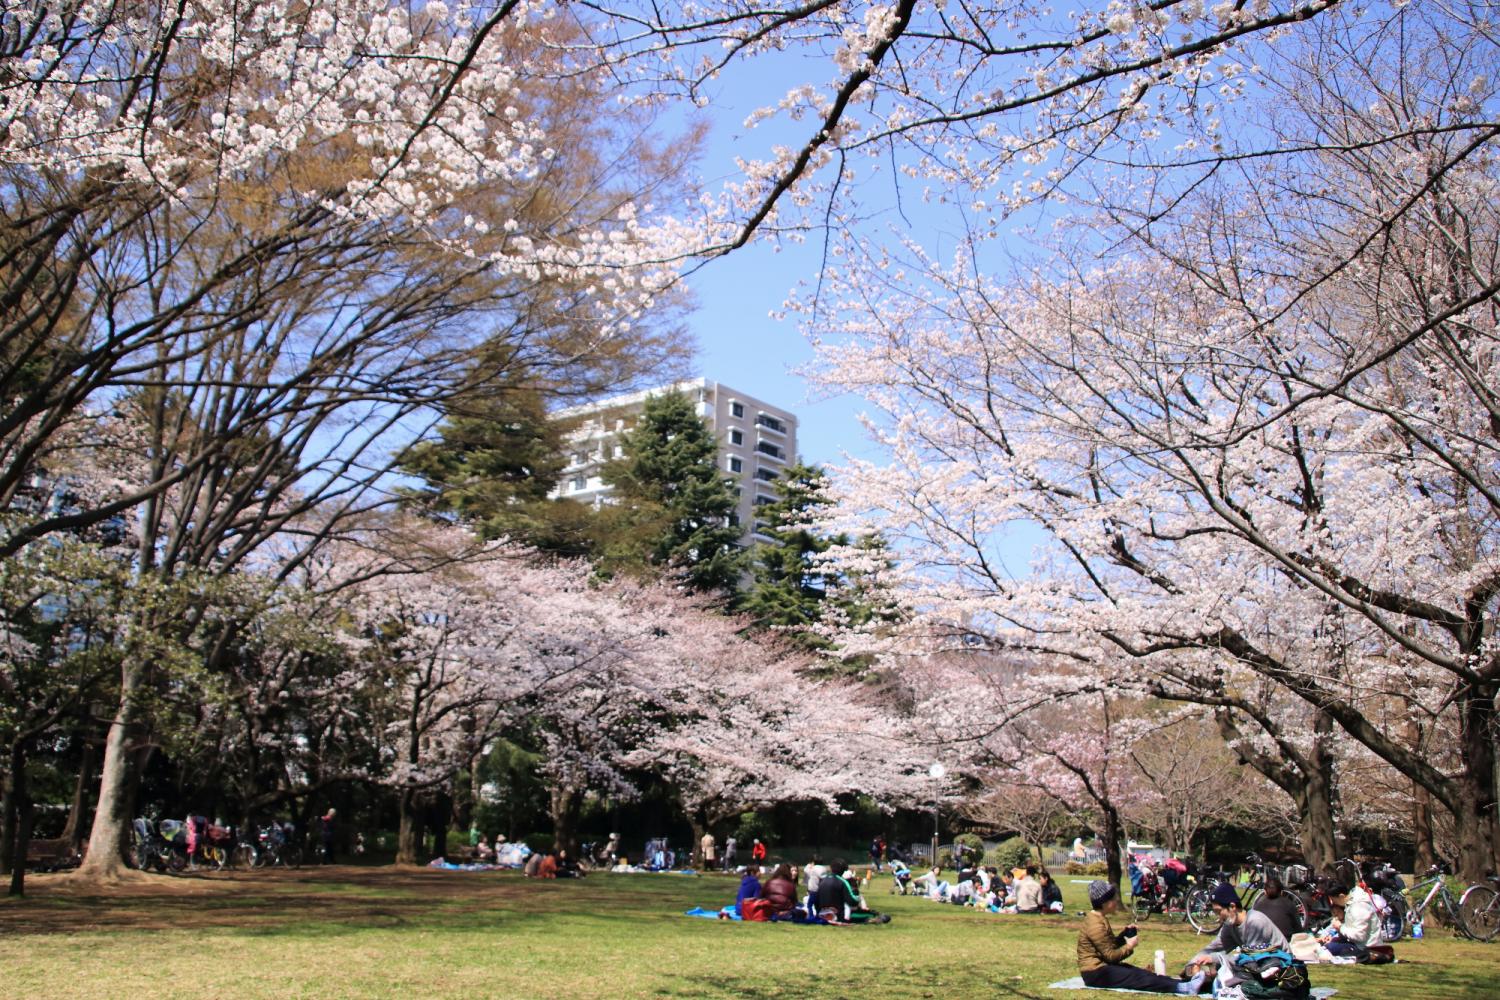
1098 869
973 844
1012 853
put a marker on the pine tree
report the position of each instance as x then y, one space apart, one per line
674 509
789 589
498 457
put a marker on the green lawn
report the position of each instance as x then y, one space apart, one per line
377 932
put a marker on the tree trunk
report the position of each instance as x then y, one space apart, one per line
1474 812
699 828
21 805
72 831
1113 836
564 804
1315 824
410 833
109 837
442 811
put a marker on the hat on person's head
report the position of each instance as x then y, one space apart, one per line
1100 892
1224 895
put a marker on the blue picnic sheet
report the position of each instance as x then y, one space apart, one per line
1076 983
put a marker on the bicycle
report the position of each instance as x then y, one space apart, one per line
1157 895
1199 907
1444 907
1480 908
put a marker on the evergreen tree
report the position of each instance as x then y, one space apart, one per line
498 456
674 509
789 589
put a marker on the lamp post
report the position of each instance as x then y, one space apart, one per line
936 772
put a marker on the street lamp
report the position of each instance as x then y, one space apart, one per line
936 772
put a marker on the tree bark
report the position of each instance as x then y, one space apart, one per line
409 835
1474 812
109 837
72 831
19 817
564 803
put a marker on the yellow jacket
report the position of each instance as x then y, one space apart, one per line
1098 945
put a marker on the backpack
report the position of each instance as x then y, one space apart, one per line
757 910
1272 975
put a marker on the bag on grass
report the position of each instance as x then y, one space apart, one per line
757 910
1272 975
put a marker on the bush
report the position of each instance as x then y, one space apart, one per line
973 845
752 825
540 842
1012 853
1098 869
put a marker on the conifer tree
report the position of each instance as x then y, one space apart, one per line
674 509
789 589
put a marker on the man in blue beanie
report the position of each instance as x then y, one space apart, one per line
1250 931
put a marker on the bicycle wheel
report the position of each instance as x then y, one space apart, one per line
176 861
290 856
1251 898
1200 914
1480 909
244 856
1141 907
1176 908
1393 921
1298 906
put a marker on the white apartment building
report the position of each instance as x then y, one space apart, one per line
756 441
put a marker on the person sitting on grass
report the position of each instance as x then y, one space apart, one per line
1029 893
1351 937
1239 931
567 867
547 867
1052 901
749 887
780 890
932 884
1102 952
1280 907
839 903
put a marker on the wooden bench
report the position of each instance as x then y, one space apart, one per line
50 855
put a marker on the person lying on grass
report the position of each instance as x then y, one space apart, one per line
1102 952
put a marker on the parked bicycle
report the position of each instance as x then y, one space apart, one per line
1480 908
1159 895
1200 911
160 848
1439 903
276 846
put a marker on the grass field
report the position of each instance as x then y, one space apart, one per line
385 932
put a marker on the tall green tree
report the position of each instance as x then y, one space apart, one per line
674 509
789 588
498 455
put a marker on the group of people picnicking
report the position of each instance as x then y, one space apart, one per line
1262 951
1026 890
832 895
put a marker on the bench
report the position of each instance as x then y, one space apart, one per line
50 855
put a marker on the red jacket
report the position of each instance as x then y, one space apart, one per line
758 852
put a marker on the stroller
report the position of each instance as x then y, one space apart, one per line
900 878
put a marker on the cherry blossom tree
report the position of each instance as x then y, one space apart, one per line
1258 434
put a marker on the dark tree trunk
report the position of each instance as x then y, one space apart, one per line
1475 821
18 814
72 831
410 834
565 804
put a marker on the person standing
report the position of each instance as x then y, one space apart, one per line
707 847
326 829
731 848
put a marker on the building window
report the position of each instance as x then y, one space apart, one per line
767 448
735 465
619 451
580 483
736 437
771 422
761 500
579 457
765 475
736 409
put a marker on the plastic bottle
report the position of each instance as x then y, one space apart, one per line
1161 962
1416 929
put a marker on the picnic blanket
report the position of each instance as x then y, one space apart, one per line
728 913
1076 983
